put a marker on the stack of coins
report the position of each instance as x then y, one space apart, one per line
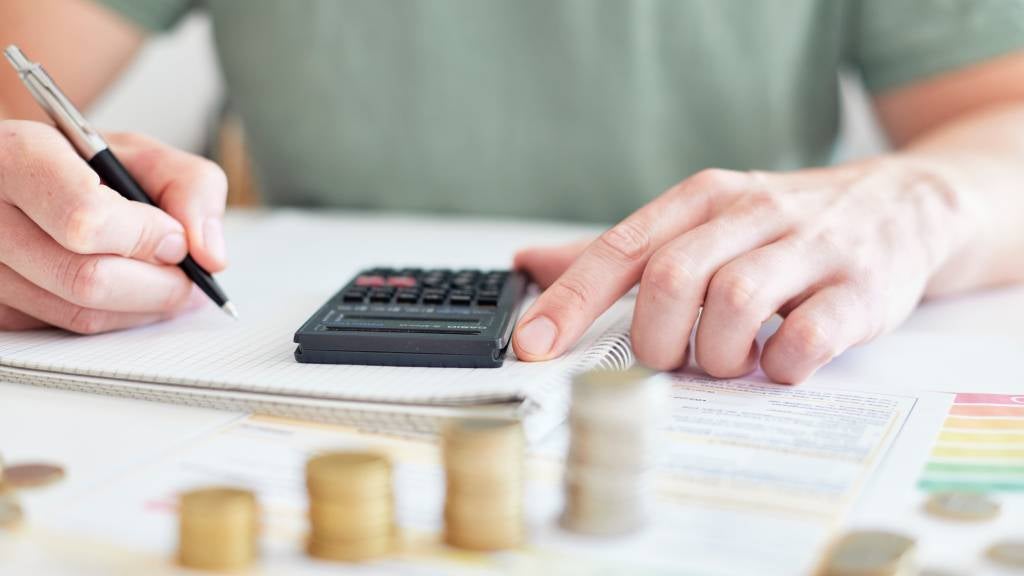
218 530
870 553
351 506
609 476
483 461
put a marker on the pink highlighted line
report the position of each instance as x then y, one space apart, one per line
1003 399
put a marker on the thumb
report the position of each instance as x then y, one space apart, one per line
189 188
544 264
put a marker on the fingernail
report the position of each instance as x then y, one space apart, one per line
171 249
537 336
213 238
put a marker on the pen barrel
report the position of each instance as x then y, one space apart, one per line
116 176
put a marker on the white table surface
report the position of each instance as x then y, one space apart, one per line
98 438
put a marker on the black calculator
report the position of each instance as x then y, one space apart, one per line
414 317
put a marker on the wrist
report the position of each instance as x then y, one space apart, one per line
952 216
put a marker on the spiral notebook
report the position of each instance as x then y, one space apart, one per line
204 360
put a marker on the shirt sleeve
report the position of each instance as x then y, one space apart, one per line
153 15
896 42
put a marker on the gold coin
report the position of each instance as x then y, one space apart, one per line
330 522
969 506
611 379
11 513
351 550
32 475
218 528
498 534
348 475
1009 553
469 433
870 553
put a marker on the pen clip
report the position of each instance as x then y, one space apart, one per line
68 119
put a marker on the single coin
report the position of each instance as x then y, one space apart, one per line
969 506
1009 553
870 553
32 475
11 513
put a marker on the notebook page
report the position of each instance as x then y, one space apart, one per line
207 349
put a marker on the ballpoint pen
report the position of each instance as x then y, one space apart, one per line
94 149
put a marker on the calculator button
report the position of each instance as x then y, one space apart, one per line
487 300
460 299
380 297
402 281
371 280
433 298
407 297
353 296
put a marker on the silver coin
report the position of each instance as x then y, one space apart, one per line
1008 553
869 553
11 513
970 506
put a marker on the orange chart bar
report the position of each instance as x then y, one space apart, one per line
979 410
985 423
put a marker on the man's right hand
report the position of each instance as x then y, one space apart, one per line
77 255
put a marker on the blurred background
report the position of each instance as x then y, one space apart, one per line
177 74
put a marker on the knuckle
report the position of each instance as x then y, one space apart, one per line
213 173
628 240
178 296
86 321
81 228
712 178
733 290
569 293
809 339
769 201
669 276
88 285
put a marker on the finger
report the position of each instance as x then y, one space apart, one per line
31 300
191 189
612 264
11 319
744 294
825 325
57 189
676 279
544 264
101 282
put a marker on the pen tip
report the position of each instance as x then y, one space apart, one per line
230 310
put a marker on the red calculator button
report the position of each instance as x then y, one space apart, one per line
402 281
370 281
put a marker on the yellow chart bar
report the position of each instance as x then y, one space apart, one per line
981 437
986 423
941 451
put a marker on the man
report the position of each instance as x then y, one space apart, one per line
599 110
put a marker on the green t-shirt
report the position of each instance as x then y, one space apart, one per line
579 109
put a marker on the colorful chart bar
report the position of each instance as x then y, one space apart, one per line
980 447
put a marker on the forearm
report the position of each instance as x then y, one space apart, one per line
978 160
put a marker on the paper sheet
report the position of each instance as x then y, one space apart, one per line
735 499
